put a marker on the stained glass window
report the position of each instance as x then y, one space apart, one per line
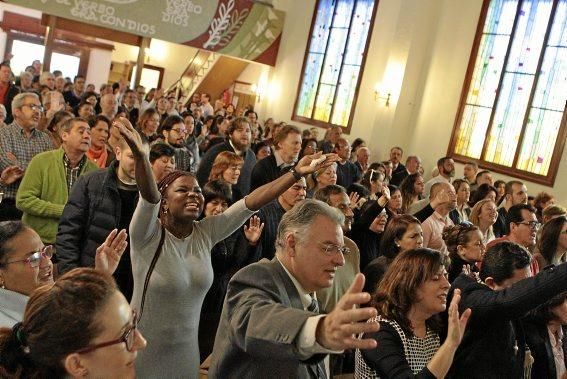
517 92
333 62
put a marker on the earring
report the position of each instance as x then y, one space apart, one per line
2 285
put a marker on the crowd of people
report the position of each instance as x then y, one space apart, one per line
146 234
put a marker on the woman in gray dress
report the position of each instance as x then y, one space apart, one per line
171 256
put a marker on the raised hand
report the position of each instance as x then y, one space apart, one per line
457 325
109 253
442 197
304 166
379 223
354 197
338 329
11 174
386 192
130 135
254 231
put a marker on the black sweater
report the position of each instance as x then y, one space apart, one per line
494 329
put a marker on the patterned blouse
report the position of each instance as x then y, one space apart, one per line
417 351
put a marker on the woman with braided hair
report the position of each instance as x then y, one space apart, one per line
171 255
466 248
80 326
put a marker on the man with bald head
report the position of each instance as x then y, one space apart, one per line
108 105
434 225
347 172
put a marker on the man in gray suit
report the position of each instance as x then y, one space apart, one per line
270 326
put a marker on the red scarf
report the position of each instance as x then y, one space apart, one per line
99 157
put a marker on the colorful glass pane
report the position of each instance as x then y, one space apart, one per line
332 67
504 95
549 100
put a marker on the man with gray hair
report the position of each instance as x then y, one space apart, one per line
50 176
270 323
19 143
413 162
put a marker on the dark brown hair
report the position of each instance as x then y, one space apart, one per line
550 233
544 312
59 320
397 292
395 230
456 235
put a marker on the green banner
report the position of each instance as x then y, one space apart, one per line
239 28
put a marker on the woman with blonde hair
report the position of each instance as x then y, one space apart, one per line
322 178
484 214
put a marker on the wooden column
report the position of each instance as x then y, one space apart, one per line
144 43
49 38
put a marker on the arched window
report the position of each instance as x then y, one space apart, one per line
513 107
333 62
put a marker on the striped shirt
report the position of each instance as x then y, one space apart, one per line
13 141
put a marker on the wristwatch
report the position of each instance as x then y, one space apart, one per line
295 174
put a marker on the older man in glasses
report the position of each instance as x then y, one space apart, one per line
523 226
270 323
19 143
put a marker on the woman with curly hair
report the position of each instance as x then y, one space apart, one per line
465 246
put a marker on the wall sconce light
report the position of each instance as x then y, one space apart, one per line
386 95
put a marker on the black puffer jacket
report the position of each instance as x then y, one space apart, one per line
92 212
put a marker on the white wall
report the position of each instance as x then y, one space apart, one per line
421 50
99 67
173 57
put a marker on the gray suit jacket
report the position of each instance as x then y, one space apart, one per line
261 319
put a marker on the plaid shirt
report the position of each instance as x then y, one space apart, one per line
72 173
13 140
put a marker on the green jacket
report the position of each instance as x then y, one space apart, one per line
42 194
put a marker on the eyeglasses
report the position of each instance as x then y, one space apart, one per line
35 258
128 337
531 224
334 249
34 107
478 244
180 130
